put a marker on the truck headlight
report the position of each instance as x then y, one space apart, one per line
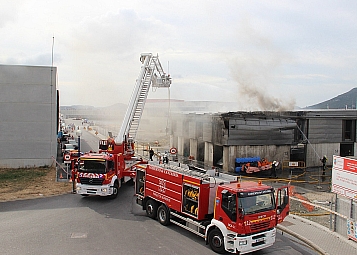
244 242
104 190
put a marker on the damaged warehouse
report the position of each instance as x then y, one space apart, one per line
218 139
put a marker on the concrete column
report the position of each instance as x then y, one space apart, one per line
193 147
172 142
225 159
180 145
231 158
208 157
229 155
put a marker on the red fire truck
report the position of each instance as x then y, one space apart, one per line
232 216
102 173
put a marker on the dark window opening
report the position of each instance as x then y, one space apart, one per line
348 130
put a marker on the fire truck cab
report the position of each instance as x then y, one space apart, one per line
102 174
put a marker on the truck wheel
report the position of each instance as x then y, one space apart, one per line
151 208
163 215
216 241
115 190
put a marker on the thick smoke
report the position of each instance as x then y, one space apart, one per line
255 70
255 81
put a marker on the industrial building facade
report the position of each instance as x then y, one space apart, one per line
218 139
29 116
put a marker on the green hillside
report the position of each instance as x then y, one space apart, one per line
342 101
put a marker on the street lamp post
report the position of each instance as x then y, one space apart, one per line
79 133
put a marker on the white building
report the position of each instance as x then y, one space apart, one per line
28 116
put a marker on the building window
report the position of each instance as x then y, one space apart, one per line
348 130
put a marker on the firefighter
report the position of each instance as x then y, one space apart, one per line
323 160
151 153
273 169
166 158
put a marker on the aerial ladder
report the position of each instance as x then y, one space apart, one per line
103 173
151 74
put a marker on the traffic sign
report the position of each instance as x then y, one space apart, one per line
173 150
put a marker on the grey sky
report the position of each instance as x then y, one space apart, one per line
263 55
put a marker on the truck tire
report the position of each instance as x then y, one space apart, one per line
216 241
163 215
151 208
115 190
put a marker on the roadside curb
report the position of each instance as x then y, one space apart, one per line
303 239
337 235
315 246
36 196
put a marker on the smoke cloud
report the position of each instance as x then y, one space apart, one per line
256 70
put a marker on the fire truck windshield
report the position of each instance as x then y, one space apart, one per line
92 166
257 203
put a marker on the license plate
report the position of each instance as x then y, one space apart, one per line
259 240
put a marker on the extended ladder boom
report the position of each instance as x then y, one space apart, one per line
151 73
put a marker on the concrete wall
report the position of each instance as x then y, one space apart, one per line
314 152
28 114
325 130
208 157
193 148
346 207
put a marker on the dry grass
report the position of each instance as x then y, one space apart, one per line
28 183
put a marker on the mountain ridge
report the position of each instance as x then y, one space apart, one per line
346 100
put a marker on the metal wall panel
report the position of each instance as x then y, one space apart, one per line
28 114
325 130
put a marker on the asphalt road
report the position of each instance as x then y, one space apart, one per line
72 224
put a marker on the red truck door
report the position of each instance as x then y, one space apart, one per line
282 204
226 208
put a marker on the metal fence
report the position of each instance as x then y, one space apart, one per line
348 209
325 208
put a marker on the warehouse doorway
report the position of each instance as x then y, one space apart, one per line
346 149
218 156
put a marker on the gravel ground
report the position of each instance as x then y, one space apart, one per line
41 187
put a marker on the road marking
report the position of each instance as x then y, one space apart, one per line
79 235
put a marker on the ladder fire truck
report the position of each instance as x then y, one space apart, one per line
103 173
232 216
